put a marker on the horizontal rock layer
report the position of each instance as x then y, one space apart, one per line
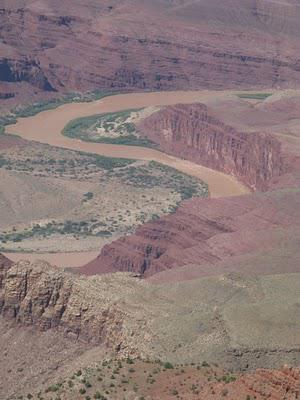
200 232
41 296
208 231
193 133
108 45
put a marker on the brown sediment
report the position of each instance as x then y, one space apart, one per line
46 127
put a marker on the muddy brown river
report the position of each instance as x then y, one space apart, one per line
46 127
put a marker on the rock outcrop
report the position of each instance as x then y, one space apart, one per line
108 45
5 264
200 232
206 232
47 298
193 133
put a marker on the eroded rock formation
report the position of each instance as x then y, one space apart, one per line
193 133
80 46
44 297
200 232
208 231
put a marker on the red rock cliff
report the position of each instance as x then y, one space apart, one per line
72 45
193 133
202 232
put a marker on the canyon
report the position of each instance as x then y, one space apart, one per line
203 238
219 262
206 232
198 298
204 44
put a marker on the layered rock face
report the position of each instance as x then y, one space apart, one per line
206 232
202 232
193 133
41 296
61 46
5 264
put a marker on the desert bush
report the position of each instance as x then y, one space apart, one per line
168 365
52 388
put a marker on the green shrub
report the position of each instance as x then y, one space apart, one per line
99 396
254 96
168 365
52 388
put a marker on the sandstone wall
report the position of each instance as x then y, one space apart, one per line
200 232
193 133
41 296
87 45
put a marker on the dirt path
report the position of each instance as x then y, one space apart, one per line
46 127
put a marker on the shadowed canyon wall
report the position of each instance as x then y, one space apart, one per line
66 46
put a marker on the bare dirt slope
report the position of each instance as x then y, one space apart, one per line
180 45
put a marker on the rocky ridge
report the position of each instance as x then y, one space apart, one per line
192 132
203 45
202 232
46 298
209 231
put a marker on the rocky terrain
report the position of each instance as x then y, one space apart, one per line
217 271
192 132
202 303
208 232
203 44
62 200
96 318
134 379
205 233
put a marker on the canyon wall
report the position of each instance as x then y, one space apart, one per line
46 298
67 46
193 133
202 232
207 232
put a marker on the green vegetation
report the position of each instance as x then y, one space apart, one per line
100 383
156 174
53 388
116 128
108 163
80 160
228 378
6 120
122 174
63 228
35 108
168 365
254 96
3 161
